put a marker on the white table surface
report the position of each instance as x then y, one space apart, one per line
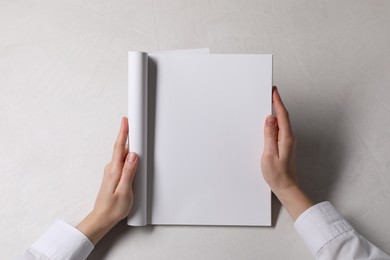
63 85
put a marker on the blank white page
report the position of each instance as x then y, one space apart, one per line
208 140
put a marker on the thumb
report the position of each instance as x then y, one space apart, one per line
128 172
271 130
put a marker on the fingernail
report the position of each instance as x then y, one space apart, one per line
271 121
131 158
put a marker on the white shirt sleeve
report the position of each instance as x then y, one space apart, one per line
330 236
60 241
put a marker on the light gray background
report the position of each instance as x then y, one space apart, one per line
63 83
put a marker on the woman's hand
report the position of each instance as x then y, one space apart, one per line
115 198
278 160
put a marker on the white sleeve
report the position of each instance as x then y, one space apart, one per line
330 236
60 241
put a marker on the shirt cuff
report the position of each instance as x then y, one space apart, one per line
320 224
63 241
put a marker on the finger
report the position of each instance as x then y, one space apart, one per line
125 184
282 116
271 136
286 139
120 144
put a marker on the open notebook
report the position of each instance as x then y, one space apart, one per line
196 122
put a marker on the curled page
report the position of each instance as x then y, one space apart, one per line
137 113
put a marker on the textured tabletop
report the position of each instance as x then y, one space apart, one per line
63 87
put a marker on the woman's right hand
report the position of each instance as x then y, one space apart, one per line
278 160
